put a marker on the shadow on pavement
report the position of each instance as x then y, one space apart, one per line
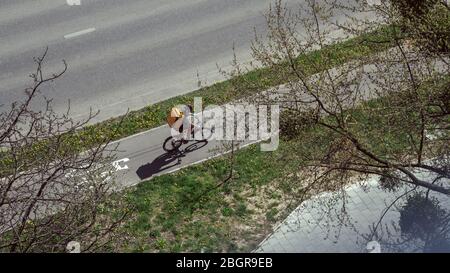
166 161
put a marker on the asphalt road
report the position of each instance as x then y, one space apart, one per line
122 54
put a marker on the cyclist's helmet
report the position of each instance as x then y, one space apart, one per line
175 113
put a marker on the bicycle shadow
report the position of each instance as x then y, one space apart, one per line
167 161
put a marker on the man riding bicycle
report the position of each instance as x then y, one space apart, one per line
179 119
182 125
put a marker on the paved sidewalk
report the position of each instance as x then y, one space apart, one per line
318 226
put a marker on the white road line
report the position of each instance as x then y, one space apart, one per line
138 134
78 33
73 2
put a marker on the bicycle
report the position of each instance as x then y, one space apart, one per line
172 144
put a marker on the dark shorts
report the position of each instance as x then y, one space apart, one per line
181 129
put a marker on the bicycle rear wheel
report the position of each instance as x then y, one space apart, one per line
170 144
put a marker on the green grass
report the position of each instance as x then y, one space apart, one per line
190 219
271 215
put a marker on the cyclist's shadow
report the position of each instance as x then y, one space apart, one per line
166 161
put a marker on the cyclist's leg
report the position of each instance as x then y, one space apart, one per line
185 134
194 130
176 131
197 128
186 129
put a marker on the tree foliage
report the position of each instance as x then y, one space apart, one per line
385 114
50 192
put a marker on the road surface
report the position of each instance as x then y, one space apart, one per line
122 54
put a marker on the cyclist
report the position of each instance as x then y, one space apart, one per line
179 116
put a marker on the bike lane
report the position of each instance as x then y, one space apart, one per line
141 157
